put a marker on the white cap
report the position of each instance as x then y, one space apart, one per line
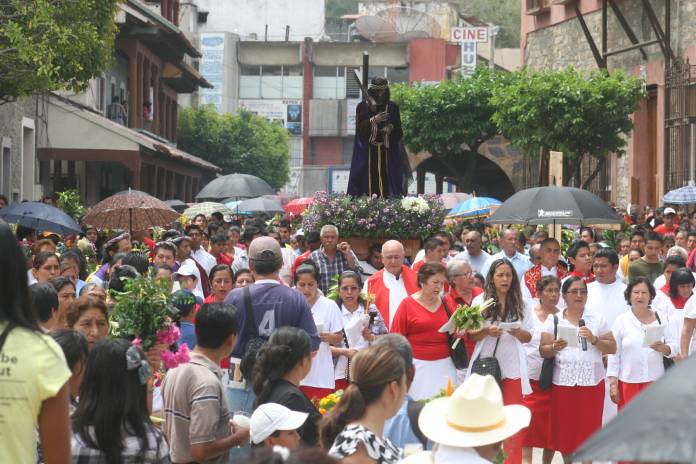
187 269
669 211
270 417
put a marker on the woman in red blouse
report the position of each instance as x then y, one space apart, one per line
463 290
418 318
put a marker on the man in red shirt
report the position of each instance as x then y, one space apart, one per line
668 226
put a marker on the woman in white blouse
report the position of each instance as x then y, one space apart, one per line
507 344
577 395
538 433
635 366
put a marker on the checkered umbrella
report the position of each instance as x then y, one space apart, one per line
681 196
130 210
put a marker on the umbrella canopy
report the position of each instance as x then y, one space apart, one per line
282 197
176 205
130 210
260 205
681 196
298 206
40 216
659 425
474 207
452 199
207 208
235 186
554 205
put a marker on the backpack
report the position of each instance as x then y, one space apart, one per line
254 341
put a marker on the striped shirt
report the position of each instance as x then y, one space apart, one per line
195 408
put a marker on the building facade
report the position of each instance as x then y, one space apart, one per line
121 132
653 40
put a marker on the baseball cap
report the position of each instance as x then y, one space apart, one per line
186 269
264 249
669 211
270 417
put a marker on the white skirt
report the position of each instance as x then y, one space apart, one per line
431 377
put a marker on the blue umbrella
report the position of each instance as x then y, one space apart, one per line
41 217
681 196
474 207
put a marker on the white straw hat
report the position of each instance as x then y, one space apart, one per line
473 416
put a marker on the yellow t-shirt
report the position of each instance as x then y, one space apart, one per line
32 369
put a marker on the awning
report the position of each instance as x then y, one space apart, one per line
72 127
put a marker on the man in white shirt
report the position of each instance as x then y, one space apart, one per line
606 296
198 254
479 259
393 283
508 243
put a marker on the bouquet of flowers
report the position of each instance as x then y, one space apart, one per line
467 317
328 402
144 314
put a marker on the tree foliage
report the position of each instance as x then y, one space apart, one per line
450 120
568 112
243 142
338 8
52 44
502 13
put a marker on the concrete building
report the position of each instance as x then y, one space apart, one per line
19 170
121 132
654 40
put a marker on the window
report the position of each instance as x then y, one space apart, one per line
99 104
270 81
397 75
537 7
330 82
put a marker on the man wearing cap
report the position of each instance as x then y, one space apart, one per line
333 257
394 282
668 228
273 424
273 305
469 426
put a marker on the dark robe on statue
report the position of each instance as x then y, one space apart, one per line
377 167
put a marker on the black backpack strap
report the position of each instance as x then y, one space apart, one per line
413 410
250 329
555 326
657 316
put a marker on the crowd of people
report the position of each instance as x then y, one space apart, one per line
278 319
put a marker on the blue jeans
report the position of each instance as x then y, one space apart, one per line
240 399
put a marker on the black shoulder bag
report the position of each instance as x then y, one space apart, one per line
254 341
546 376
458 355
666 362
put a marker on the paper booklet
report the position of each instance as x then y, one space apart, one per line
653 334
569 334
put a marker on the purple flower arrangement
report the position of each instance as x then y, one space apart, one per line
373 217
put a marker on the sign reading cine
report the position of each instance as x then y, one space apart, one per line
469 34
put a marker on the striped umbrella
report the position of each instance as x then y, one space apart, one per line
474 207
130 210
681 196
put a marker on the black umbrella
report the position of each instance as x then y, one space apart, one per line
659 425
554 205
177 205
235 186
260 205
40 216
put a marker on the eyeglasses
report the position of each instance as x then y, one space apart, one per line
578 291
465 274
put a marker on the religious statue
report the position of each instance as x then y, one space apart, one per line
380 164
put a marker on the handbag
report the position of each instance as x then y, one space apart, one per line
666 362
459 356
488 365
546 376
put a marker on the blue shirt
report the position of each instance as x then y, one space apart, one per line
520 262
398 429
274 306
188 334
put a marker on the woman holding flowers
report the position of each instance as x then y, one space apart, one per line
505 343
463 289
539 401
320 380
418 318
